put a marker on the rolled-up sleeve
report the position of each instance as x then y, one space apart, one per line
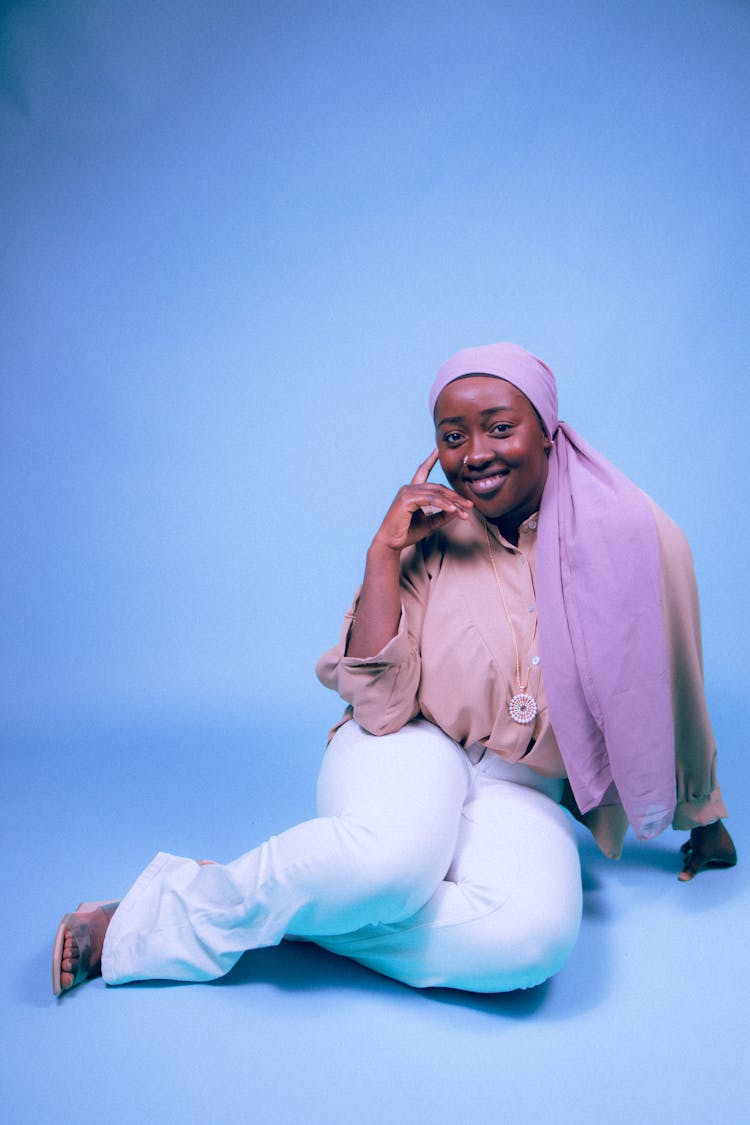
699 799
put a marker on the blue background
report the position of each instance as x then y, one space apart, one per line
236 241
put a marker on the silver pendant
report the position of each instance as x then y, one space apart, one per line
523 708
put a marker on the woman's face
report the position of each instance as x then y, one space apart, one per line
492 448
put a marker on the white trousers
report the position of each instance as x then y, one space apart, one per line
428 863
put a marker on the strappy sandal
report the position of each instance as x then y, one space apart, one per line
82 934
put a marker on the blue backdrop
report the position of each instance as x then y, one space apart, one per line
239 238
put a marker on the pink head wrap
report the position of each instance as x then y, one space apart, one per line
598 580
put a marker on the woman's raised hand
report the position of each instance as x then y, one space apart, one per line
407 521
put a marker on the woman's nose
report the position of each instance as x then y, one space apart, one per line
478 453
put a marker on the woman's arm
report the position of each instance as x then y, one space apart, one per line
406 522
376 665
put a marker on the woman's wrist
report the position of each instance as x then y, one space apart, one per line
382 553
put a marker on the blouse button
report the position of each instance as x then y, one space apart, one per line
535 660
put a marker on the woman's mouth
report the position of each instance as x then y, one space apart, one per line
485 486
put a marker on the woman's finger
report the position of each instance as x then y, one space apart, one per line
436 520
437 495
425 468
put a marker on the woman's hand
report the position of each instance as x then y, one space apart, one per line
708 846
406 521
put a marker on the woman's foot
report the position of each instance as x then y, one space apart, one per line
77 955
708 846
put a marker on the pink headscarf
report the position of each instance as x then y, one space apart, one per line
598 580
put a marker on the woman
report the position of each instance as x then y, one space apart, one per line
525 637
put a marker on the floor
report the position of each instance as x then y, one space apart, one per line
648 1019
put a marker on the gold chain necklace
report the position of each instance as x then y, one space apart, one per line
523 707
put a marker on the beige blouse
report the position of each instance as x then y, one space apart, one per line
453 660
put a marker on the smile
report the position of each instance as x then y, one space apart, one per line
482 486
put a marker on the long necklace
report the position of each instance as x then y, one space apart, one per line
522 706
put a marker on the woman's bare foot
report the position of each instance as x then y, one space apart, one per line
708 846
79 944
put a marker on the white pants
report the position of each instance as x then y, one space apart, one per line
426 863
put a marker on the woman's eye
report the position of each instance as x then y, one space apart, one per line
501 428
452 438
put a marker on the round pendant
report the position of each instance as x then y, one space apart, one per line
523 708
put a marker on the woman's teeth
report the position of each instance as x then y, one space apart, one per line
486 484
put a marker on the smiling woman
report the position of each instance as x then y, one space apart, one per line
524 639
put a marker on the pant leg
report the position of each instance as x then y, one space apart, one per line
507 914
390 814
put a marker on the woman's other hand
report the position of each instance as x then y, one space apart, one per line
708 846
420 508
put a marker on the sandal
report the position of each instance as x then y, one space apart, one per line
82 934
